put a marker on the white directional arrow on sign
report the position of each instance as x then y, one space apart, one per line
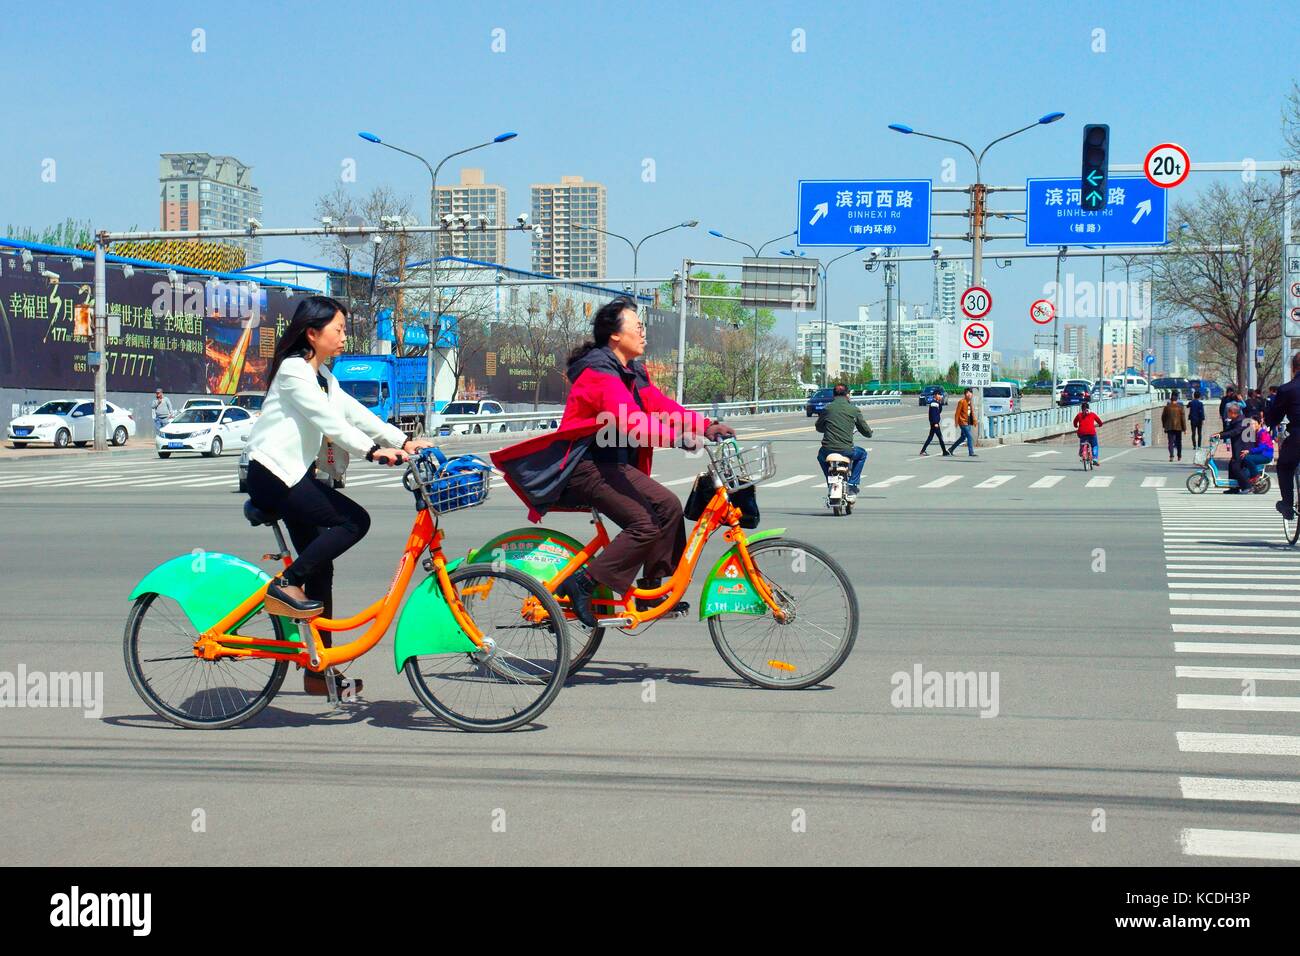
1144 209
819 211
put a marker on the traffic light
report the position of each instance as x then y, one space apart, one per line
1096 150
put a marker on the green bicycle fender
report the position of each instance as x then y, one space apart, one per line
540 553
207 584
725 593
427 626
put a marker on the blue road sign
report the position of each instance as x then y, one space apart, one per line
1135 214
1151 360
858 212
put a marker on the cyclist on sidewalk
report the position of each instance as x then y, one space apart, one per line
1086 424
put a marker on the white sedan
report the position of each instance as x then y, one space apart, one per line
65 421
206 430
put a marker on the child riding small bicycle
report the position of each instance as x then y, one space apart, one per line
1086 424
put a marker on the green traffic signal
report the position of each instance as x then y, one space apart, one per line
1096 150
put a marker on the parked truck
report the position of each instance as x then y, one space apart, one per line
391 386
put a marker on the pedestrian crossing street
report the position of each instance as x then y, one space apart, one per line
222 475
1234 605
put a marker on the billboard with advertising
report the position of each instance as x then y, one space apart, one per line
188 336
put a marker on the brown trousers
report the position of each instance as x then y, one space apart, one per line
654 533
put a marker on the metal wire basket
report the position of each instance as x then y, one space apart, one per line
444 490
1200 456
739 467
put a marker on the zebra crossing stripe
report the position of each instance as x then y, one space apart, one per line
1270 745
1211 647
1289 705
1154 481
1100 482
1048 481
943 481
1249 791
1239 673
1243 844
679 481
995 481
792 480
888 482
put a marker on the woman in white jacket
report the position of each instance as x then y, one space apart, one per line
305 405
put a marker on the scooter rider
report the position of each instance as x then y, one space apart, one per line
837 423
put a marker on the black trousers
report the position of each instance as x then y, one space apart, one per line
1175 440
654 532
1196 433
322 522
935 432
1287 460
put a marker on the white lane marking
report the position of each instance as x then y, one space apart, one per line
792 480
1048 481
1239 673
1241 844
1231 788
943 481
1289 705
1210 585
1228 650
37 479
207 482
1100 482
1154 481
1207 576
890 481
1040 454
1234 612
361 482
1240 564
1234 629
995 481
1270 745
679 481
1254 598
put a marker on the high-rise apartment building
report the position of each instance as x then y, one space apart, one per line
484 205
202 191
566 248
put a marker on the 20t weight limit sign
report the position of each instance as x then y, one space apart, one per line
976 302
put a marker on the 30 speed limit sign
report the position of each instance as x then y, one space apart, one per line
1167 165
976 302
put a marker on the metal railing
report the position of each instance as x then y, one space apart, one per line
459 425
1014 423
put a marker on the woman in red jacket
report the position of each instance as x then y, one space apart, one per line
600 457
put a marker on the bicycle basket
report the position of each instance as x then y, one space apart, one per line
461 482
1200 456
739 467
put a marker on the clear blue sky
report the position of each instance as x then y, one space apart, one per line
712 93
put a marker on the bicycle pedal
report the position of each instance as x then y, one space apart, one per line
613 621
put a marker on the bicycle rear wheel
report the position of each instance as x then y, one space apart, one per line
516 677
819 634
187 690
1292 528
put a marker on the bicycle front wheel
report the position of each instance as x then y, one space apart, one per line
184 688
520 669
817 636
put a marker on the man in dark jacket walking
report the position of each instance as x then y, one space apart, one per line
1196 418
1174 422
935 410
837 423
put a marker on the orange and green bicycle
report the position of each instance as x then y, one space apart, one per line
782 613
203 652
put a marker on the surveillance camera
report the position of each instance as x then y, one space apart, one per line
539 232
377 240
254 223
875 253
522 219
447 220
500 278
482 221
327 221
938 251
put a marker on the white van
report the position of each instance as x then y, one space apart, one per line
1132 384
1001 398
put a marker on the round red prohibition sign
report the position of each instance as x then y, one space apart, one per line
1042 311
976 336
976 302
1167 165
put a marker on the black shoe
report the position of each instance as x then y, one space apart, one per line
853 490
313 683
1230 491
578 588
1286 510
280 603
925 454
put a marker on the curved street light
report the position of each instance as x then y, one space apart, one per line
636 246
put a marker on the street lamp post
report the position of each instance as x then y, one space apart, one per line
636 246
435 316
977 193
757 252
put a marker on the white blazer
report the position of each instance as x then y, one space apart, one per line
297 416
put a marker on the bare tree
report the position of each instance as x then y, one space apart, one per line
381 260
1211 294
542 330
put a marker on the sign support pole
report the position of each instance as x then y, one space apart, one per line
1286 276
681 329
100 339
1056 316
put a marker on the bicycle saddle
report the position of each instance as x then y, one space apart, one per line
256 516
